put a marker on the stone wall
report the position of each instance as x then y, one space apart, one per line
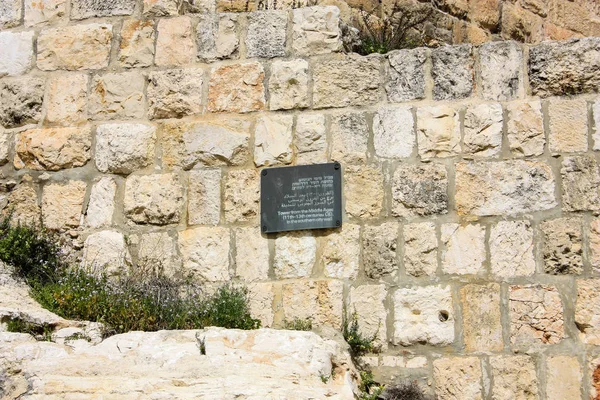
470 245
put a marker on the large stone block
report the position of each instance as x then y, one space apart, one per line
581 184
596 118
458 378
44 11
137 43
419 190
562 247
310 139
379 244
295 255
511 249
394 132
175 43
405 75
320 301
501 71
349 137
62 204
117 96
316 30
123 148
366 303
464 249
452 71
568 126
482 327
101 205
341 252
157 251
483 130
161 8
586 310
81 9
363 189
5 146
175 93
153 199
273 140
594 245
17 52
23 202
438 132
564 379
204 197
106 251
521 25
205 253
260 302
217 37
67 99
288 85
525 129
21 101
266 35
514 377
10 13
251 255
52 149
420 249
237 88
74 47
242 196
504 188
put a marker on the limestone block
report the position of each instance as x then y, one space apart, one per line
175 43
594 243
452 72
504 188
363 190
62 204
320 301
75 47
295 254
366 303
21 101
137 43
563 378
316 30
341 252
288 85
586 311
420 249
81 9
201 6
117 96
511 249
464 251
266 35
581 184
419 190
123 148
252 255
204 197
501 77
568 126
483 130
153 199
594 377
217 37
52 149
423 315
101 205
44 11
521 25
158 250
349 137
562 246
17 52
514 377
205 252
5 145
438 132
237 88
10 13
260 302
161 8
525 128
457 378
273 140
106 251
67 99
242 196
348 81
405 75
310 139
394 132
23 201
482 327
536 315
559 68
379 244
175 93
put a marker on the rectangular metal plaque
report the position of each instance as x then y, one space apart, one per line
302 197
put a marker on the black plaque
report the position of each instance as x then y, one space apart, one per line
303 197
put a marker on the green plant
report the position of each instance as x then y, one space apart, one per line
359 344
41 332
370 390
78 336
298 324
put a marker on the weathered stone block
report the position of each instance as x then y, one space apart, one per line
501 76
511 249
514 377
204 197
153 199
568 126
23 201
316 30
423 315
438 132
366 303
205 253
394 132
536 315
67 100
52 149
216 37
106 251
379 244
117 96
482 328
10 13
310 139
562 246
420 249
341 252
158 250
483 130
273 140
175 93
419 190
74 47
266 36
101 205
44 11
288 85
464 251
260 302
521 25
5 145
124 148
349 137
405 75
17 52
563 378
81 9
242 195
457 378
452 71
237 88
504 188
295 255
348 81
175 43
161 8
252 255
586 310
62 204
525 129
137 43
558 68
319 301
581 184
594 245
363 189
21 101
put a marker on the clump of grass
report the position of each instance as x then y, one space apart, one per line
404 391
41 332
298 324
359 344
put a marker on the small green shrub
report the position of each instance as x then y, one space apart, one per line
298 324
370 390
359 344
404 391
39 331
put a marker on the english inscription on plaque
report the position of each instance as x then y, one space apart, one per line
302 197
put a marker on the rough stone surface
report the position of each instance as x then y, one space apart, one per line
511 249
273 140
106 251
593 372
10 13
288 85
81 9
521 25
5 145
596 117
158 250
175 93
67 99
316 31
17 52
568 126
438 132
452 71
420 249
153 199
21 101
137 43
62 204
464 248
581 184
423 315
341 252
216 37
394 132
504 188
367 304
73 48
457 378
594 243
237 88
320 301
101 205
482 328
242 196
514 377
175 43
260 302
161 8
405 75
363 189
266 37
252 255
563 378
483 130
586 314
536 315
124 148
205 252
295 255
562 246
310 139
348 81
379 244
420 190
117 96
204 197
525 128
44 11
501 65
23 201
557 68
53 149
349 137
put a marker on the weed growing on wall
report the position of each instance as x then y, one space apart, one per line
298 324
39 331
359 344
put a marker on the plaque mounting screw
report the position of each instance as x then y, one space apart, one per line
336 165
264 173
338 223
